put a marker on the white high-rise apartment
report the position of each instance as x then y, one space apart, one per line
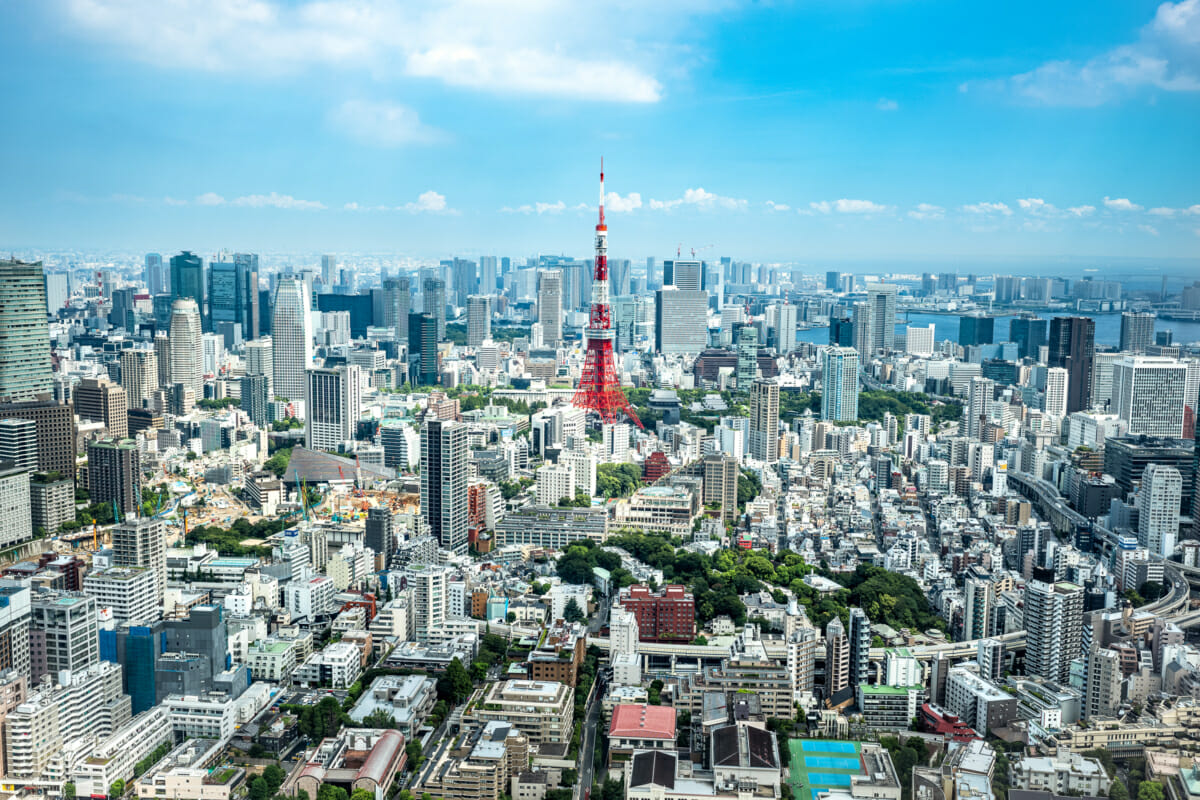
1148 393
839 383
260 360
139 375
554 482
550 305
128 593
981 392
187 355
919 341
1053 625
1158 500
291 337
429 584
764 420
142 542
333 405
1057 379
785 328
479 319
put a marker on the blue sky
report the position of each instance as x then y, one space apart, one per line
926 131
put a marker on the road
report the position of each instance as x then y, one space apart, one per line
591 724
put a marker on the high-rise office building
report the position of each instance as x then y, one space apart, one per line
187 355
433 300
1029 333
233 295
831 280
488 275
1137 331
256 398
115 474
764 420
466 280
680 321
1148 392
162 355
55 432
397 303
747 356
444 482
976 329
550 305
156 277
187 279
139 375
1053 625
422 349
1057 387
1071 346
333 405
881 298
684 275
142 542
479 319
14 627
18 443
101 400
1158 502
839 381
861 336
291 337
918 341
24 336
620 270
259 359
16 522
64 633
785 328
381 533
328 272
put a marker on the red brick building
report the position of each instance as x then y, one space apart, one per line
669 615
655 466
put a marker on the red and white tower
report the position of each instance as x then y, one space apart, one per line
599 387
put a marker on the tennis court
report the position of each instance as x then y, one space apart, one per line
832 766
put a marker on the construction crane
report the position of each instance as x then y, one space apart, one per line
300 493
702 249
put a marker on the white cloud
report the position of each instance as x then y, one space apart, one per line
773 206
617 204
846 206
1121 204
1163 212
210 199
1165 57
550 208
988 208
1150 229
274 200
172 201
525 209
1081 211
428 203
702 199
534 48
381 124
1193 210
927 211
1034 204
884 104
351 206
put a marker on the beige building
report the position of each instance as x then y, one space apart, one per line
665 509
481 767
541 710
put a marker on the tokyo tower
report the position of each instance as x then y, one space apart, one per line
599 388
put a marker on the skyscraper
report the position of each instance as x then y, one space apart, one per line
101 400
156 276
881 297
187 279
259 359
1029 333
764 420
422 349
187 356
980 393
837 658
1053 625
861 337
680 321
142 542
1137 331
785 328
466 280
24 336
976 329
550 305
1148 392
479 319
839 380
1058 382
1158 501
256 398
487 275
747 356
18 443
397 302
684 275
162 355
333 405
859 635
328 272
433 299
444 482
291 337
115 474
1071 346
139 375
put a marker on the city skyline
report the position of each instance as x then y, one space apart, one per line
868 131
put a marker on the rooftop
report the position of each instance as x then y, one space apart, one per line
643 721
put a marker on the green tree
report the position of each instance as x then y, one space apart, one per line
259 789
330 792
362 794
69 791
274 776
511 617
570 777
1150 790
1117 791
118 788
414 755
572 612
575 568
455 685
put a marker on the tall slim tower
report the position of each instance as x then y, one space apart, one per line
187 358
599 388
291 338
